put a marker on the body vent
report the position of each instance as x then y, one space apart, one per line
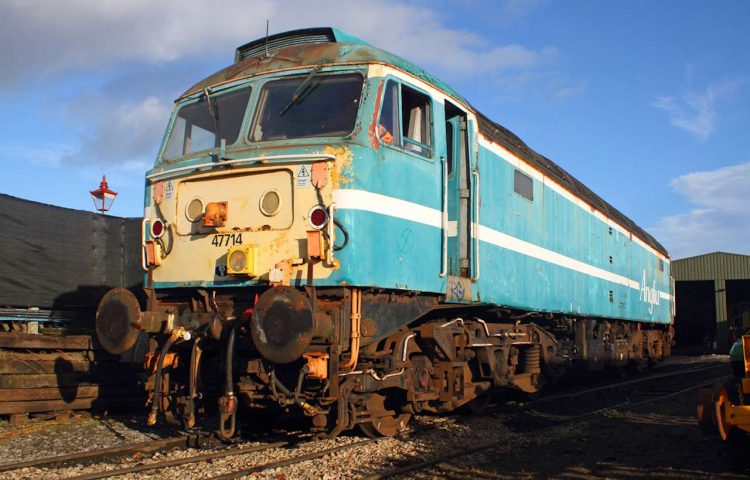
258 47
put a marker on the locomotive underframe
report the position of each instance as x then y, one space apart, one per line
375 358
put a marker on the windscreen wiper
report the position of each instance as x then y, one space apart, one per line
212 110
298 92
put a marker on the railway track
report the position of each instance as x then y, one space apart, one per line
625 383
313 450
438 460
183 441
195 459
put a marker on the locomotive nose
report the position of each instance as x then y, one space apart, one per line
283 324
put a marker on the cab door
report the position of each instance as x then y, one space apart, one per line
459 190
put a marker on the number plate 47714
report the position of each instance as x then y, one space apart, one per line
227 240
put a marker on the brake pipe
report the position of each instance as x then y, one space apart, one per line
195 359
228 403
178 333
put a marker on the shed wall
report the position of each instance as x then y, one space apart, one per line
721 269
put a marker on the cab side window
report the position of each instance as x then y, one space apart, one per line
405 119
389 129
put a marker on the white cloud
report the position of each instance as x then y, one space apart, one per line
42 37
720 220
121 43
125 134
43 155
696 111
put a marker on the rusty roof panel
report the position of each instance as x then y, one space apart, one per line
346 50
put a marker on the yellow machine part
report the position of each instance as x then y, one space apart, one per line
729 416
717 413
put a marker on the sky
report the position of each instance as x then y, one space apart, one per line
647 103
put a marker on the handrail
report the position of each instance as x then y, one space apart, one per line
475 223
143 243
331 231
293 158
444 219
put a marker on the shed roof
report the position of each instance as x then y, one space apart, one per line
712 266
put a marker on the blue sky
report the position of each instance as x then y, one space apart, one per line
648 103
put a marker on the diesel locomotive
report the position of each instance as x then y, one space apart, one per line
330 229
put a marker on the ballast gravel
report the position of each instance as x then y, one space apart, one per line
428 437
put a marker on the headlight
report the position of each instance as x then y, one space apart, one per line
237 260
194 209
270 203
242 259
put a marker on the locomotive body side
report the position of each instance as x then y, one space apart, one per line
555 252
551 253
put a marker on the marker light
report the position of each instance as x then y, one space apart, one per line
318 217
157 228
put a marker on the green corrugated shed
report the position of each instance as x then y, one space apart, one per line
718 267
712 266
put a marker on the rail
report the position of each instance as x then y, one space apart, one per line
421 465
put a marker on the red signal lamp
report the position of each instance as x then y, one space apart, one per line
103 197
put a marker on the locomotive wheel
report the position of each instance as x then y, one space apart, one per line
384 422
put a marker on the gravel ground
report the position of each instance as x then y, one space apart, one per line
658 440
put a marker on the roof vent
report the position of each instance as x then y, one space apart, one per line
259 47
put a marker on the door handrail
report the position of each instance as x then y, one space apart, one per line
475 223
444 220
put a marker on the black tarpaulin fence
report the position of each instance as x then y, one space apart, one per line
63 259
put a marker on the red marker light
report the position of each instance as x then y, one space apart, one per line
318 217
157 228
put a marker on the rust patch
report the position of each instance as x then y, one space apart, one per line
276 244
342 173
319 175
372 130
158 192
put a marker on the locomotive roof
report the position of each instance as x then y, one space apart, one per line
329 46
518 147
309 48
